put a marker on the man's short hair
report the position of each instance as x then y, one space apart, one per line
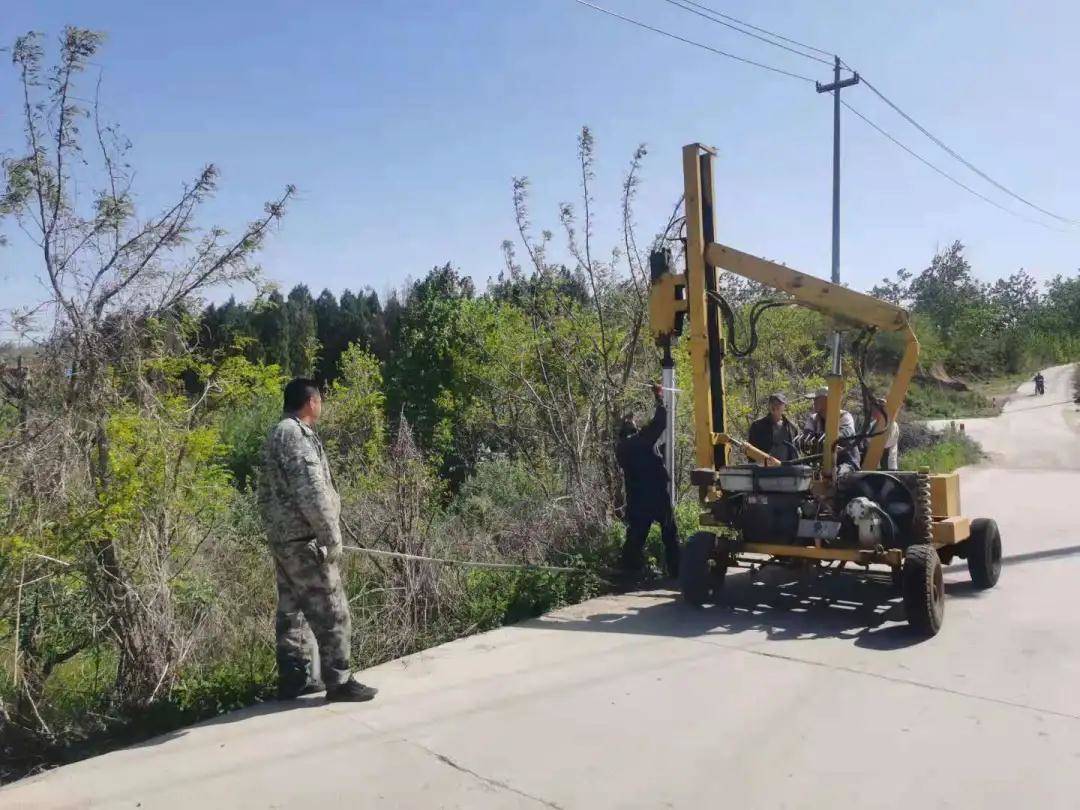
298 392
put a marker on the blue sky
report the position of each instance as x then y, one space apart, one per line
402 124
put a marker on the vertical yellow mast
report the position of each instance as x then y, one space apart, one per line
706 337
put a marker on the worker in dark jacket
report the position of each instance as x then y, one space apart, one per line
647 498
775 433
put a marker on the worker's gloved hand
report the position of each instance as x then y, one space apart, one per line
658 390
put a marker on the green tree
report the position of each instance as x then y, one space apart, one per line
1015 298
895 291
423 383
117 472
946 288
303 340
1061 310
247 397
355 423
329 331
271 327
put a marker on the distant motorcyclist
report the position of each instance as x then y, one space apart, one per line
1040 384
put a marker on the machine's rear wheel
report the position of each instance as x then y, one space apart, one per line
701 576
923 586
984 553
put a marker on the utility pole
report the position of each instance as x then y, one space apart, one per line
835 89
668 366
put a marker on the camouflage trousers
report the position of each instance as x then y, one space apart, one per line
311 603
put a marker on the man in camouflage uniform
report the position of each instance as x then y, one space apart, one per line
300 512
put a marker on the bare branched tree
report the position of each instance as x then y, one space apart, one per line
119 286
581 380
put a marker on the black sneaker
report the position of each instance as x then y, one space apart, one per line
350 692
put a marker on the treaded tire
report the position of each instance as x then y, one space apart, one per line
923 587
984 553
699 578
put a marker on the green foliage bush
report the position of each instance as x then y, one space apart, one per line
355 424
503 490
931 401
983 329
243 431
494 598
945 452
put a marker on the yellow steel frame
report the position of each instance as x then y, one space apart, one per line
751 452
861 556
945 494
946 532
844 306
949 530
847 308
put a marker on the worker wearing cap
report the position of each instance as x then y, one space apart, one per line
847 454
775 433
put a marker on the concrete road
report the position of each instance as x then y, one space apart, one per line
776 699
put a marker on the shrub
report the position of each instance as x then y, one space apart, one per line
929 401
944 452
243 430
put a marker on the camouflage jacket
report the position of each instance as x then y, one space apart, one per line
297 498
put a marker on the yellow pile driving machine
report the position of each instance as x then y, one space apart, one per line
808 511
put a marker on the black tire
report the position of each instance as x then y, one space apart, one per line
923 586
701 576
984 553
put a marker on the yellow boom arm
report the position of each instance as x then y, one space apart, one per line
707 343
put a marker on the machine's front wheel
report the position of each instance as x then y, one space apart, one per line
984 553
923 586
701 575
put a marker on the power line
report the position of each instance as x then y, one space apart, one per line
705 13
709 48
756 28
962 159
945 174
953 153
